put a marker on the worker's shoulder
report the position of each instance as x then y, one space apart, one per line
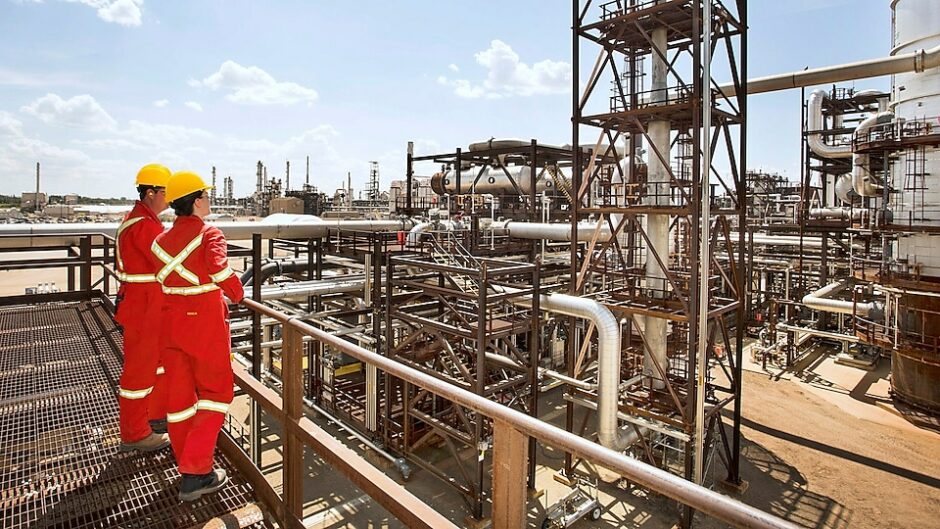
210 232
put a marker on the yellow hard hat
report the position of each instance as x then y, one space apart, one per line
154 175
184 183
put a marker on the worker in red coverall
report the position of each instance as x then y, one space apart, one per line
142 397
194 274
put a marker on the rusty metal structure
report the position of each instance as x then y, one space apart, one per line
650 55
473 322
61 360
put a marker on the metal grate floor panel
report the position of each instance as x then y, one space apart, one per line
60 463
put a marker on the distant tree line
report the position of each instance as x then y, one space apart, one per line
14 200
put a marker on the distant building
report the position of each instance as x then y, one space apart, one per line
28 201
287 205
71 200
62 211
422 196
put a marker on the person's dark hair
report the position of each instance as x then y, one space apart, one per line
142 190
184 205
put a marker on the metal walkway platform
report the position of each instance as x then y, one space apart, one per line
59 461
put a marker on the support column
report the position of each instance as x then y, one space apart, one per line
510 459
657 225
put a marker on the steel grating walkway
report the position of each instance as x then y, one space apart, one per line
59 461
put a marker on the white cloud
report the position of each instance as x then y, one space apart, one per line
110 143
508 76
81 111
161 103
453 67
39 80
163 136
123 12
252 85
10 126
194 105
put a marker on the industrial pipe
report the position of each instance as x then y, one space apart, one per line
414 235
862 178
814 123
608 359
277 226
560 231
917 61
492 180
820 300
274 267
608 362
833 212
844 189
304 289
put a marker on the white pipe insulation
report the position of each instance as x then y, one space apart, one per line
304 289
814 123
279 225
608 363
560 231
608 360
414 236
821 300
916 61
862 177
836 213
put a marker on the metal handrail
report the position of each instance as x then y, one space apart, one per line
697 497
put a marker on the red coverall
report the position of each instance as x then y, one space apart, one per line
142 393
197 343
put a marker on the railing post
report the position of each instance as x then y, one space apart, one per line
291 369
255 419
85 257
510 465
105 276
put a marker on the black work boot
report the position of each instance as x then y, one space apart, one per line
195 486
158 425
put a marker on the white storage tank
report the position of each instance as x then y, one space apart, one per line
916 96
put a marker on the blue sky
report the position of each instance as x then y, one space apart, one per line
94 89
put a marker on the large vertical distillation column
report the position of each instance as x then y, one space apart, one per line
657 224
915 361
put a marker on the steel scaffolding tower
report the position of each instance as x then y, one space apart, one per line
670 211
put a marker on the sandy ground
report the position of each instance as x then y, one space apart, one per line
824 452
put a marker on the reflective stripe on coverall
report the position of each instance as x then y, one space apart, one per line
193 275
142 394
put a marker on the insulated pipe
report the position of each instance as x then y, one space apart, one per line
493 181
917 61
844 189
862 179
550 231
414 235
608 359
819 300
816 332
608 362
836 213
815 124
304 289
270 268
278 226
